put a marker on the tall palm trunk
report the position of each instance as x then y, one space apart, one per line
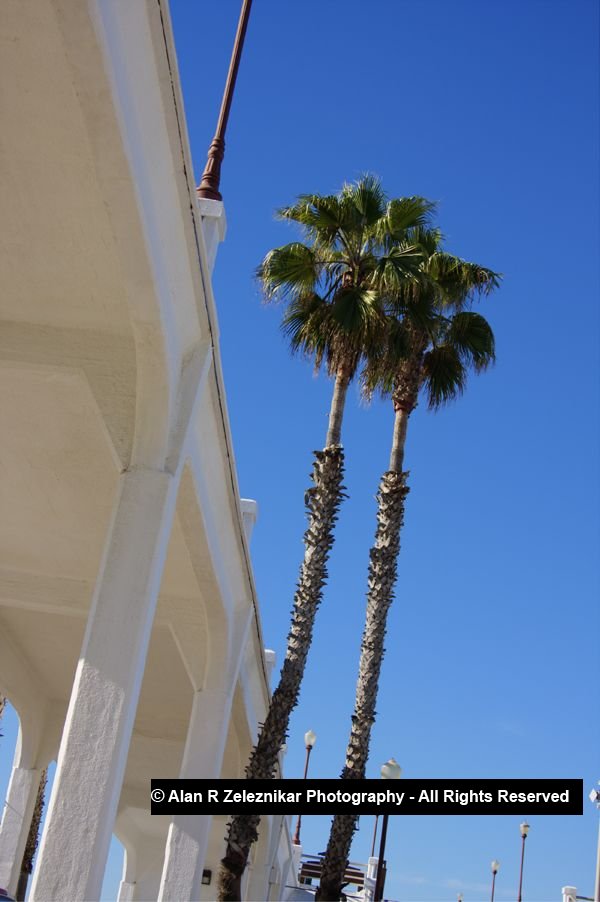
322 501
382 576
338 403
32 840
383 561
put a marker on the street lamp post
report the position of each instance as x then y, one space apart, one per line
309 741
524 828
495 869
391 770
595 798
211 177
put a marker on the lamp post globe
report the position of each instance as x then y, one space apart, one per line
391 770
309 739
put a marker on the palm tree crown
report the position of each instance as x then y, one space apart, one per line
359 247
428 326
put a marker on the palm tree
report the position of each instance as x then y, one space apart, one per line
431 344
334 286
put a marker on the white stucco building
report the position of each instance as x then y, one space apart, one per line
130 637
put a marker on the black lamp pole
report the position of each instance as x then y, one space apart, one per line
391 770
495 867
309 741
374 835
381 868
524 831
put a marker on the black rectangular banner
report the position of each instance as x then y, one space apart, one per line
522 797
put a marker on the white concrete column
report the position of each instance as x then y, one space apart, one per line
569 893
99 722
288 872
280 821
148 866
249 515
126 891
286 865
293 864
258 878
187 840
127 884
16 821
371 879
214 227
270 661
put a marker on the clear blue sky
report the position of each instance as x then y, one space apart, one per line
493 667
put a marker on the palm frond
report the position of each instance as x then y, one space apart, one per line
429 239
305 325
444 375
382 363
401 264
458 280
472 337
404 213
365 199
323 218
419 311
288 271
358 312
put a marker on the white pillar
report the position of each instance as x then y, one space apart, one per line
188 836
280 821
16 821
270 661
290 869
249 515
126 891
99 722
214 227
127 884
371 879
148 866
258 877
569 893
187 840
